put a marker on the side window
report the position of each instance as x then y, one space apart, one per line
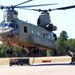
49 36
52 36
32 31
25 29
44 35
38 33
16 26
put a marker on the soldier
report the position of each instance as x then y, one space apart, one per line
72 55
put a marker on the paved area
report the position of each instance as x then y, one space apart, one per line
56 68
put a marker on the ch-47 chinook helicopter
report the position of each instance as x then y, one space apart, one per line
26 35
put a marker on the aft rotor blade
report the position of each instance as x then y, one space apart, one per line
64 8
23 3
39 10
35 5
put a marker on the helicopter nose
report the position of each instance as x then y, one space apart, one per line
5 30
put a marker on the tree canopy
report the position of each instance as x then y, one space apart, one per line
64 44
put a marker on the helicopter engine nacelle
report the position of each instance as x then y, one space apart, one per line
54 28
51 27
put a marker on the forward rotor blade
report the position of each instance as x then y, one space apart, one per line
35 9
64 8
35 5
23 2
2 6
15 6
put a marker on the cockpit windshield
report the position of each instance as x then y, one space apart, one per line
12 25
4 25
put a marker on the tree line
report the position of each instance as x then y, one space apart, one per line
63 45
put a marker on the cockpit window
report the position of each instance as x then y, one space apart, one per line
3 25
12 25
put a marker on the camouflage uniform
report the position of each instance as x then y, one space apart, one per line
72 55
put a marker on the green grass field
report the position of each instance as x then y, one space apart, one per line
5 61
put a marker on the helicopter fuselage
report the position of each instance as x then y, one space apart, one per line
30 36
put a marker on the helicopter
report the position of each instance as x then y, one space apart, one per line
24 35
